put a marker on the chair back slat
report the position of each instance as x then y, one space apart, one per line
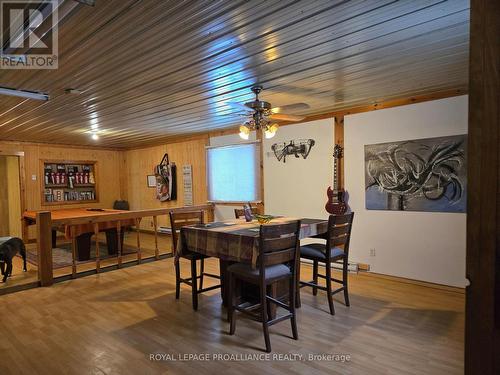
240 212
339 231
278 244
343 219
279 257
182 219
272 230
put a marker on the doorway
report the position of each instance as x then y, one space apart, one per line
10 197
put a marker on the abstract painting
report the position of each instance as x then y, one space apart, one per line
417 175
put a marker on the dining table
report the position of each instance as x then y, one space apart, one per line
237 240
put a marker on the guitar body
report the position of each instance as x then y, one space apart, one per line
336 205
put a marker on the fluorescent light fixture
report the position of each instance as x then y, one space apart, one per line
86 2
24 94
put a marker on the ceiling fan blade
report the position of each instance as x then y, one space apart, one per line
234 114
290 108
239 106
283 117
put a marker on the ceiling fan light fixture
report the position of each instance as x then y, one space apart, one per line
244 132
260 114
270 131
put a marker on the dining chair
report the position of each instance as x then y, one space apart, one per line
338 234
277 260
240 212
177 221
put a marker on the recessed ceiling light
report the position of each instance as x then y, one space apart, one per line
95 136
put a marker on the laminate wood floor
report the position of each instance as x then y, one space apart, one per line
112 323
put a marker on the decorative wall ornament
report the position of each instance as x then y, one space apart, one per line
418 175
296 147
166 180
187 178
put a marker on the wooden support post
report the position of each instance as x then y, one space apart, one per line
119 239
339 139
97 252
260 138
73 252
155 225
44 242
25 230
138 231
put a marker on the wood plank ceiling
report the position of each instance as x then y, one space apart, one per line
150 71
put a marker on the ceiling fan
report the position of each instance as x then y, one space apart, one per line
261 115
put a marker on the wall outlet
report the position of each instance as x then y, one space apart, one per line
33 177
372 252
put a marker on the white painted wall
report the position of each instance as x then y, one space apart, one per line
417 245
297 188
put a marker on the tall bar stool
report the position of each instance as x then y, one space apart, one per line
278 257
177 221
339 234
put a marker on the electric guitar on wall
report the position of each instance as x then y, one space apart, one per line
336 204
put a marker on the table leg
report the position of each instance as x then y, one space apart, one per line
83 244
223 264
112 240
54 238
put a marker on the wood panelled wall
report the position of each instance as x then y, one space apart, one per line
141 162
110 167
120 174
108 172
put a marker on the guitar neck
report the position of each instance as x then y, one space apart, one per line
335 186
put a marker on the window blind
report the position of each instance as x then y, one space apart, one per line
233 173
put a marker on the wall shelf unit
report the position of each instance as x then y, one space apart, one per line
68 182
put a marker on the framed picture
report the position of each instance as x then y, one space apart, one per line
151 181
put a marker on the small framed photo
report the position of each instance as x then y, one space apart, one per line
151 181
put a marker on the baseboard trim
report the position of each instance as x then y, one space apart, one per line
18 288
398 279
405 280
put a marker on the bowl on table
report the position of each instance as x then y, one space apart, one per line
263 219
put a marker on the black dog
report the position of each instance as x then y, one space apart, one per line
9 246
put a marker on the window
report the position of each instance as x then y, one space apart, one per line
233 173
